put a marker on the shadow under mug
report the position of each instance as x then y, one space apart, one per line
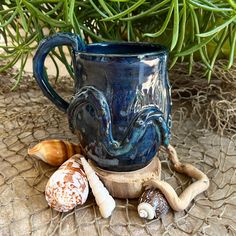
121 106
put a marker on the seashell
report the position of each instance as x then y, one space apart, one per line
68 186
103 199
152 204
55 152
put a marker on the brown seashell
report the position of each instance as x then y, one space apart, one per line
55 152
152 204
68 186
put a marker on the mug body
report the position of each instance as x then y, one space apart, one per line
121 106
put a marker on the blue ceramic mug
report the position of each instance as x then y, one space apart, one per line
121 105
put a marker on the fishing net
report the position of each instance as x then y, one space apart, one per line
203 133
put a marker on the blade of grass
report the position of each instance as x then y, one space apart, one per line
59 57
28 41
102 28
9 20
65 62
204 59
71 11
56 66
216 51
77 28
104 6
11 35
8 55
207 20
176 25
65 10
190 65
232 51
92 34
161 11
37 28
46 1
43 17
11 63
97 9
54 9
195 47
119 0
182 33
209 8
7 49
24 58
146 13
232 3
22 16
166 22
218 28
126 12
113 8
2 12
17 34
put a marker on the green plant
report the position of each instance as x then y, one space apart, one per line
192 29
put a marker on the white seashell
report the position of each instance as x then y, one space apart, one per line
103 199
68 186
145 210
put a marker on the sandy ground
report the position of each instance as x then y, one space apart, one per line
28 117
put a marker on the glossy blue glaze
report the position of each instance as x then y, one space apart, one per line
121 106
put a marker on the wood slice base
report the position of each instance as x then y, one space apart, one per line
128 184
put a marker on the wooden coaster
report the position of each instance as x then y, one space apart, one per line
128 184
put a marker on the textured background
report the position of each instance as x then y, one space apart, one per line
204 125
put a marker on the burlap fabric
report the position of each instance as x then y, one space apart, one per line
203 132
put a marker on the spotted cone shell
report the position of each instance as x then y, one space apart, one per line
68 186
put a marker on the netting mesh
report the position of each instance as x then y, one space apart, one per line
204 124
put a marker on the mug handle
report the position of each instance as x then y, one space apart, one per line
59 39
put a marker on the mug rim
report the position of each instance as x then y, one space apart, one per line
157 49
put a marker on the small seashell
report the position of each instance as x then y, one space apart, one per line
68 186
103 199
55 152
152 204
